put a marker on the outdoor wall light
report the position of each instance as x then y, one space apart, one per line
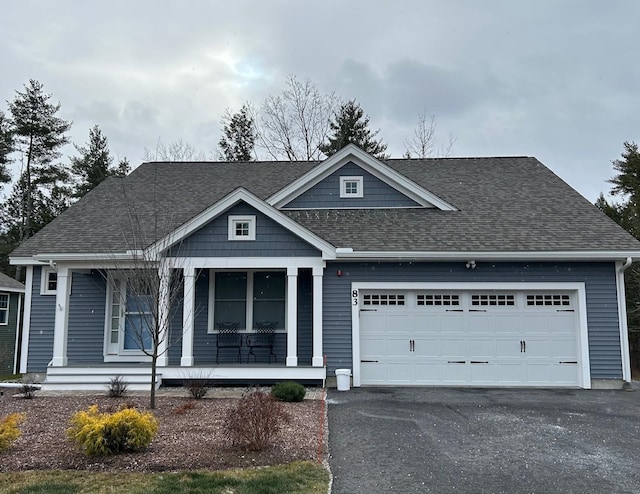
471 264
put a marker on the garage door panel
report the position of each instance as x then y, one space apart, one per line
425 341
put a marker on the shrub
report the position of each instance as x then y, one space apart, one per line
117 387
288 391
110 433
255 420
197 387
10 429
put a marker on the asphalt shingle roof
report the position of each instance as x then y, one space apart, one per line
8 283
504 204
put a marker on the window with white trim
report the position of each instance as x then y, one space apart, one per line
242 227
246 298
48 282
351 187
4 309
130 318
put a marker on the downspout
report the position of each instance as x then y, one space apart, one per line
622 317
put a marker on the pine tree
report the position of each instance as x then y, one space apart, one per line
239 135
94 163
351 125
6 148
39 134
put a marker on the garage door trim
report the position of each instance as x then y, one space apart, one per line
584 372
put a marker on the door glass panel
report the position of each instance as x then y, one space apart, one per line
269 297
137 332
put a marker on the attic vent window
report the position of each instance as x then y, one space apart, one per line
242 227
351 187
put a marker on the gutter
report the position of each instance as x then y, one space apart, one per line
622 317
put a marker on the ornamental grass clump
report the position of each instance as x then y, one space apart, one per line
99 434
10 429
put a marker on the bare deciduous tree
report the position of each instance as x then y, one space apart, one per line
423 143
293 125
174 151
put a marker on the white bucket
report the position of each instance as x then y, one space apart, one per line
343 377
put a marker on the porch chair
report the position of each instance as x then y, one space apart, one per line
264 337
228 337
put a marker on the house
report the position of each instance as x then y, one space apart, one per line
456 271
10 308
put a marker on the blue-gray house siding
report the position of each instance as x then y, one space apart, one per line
599 279
41 326
86 318
326 193
272 239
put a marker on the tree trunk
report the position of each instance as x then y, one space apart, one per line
152 394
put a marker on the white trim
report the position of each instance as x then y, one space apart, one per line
583 255
188 316
26 320
248 262
368 163
292 317
11 290
45 273
584 377
61 321
317 359
622 320
234 219
230 200
6 323
359 187
18 331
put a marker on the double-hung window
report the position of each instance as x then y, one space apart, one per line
4 309
49 282
247 298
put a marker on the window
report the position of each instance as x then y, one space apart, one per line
49 282
4 308
351 187
130 318
438 299
247 298
383 299
547 299
242 227
493 300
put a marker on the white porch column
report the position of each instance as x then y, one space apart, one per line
317 360
164 299
292 317
61 324
188 314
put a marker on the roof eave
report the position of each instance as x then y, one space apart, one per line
612 255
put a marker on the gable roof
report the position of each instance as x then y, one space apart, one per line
502 207
8 284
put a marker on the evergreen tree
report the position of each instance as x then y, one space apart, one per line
94 163
351 125
6 148
39 134
239 135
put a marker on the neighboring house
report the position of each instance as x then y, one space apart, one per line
10 307
469 271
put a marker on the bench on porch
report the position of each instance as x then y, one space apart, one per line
228 337
263 338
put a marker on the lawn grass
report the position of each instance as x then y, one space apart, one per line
10 377
298 477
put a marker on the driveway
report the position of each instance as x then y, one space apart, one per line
466 440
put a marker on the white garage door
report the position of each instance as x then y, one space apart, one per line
469 338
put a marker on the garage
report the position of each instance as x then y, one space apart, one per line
476 337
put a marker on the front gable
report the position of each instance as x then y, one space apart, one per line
216 238
209 234
375 185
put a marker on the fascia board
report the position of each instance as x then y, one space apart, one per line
233 198
372 165
11 289
345 254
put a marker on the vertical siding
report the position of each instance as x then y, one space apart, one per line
272 239
85 342
326 193
599 279
8 335
41 327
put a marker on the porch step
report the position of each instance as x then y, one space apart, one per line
97 379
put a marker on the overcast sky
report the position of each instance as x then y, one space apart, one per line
554 79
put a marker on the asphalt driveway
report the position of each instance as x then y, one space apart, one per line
465 440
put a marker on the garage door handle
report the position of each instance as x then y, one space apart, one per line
565 310
477 310
454 310
457 362
569 362
523 346
479 362
368 310
369 361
